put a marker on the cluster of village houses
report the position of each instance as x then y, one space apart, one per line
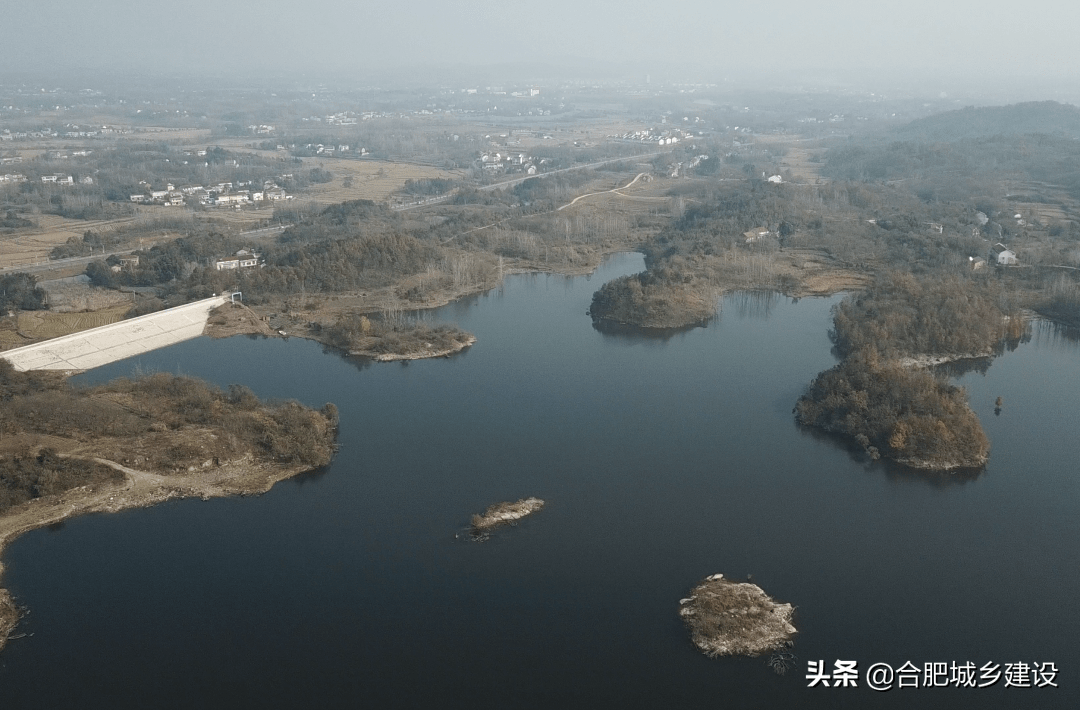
74 132
498 163
346 118
224 194
328 151
648 136
681 166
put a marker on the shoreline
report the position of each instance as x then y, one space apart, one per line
298 323
414 355
140 489
924 361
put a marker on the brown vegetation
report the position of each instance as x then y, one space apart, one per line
1062 302
67 451
235 319
395 337
875 398
161 422
903 414
728 618
645 301
902 315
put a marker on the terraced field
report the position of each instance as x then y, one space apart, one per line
42 325
32 245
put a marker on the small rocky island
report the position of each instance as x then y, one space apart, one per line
503 514
396 338
728 618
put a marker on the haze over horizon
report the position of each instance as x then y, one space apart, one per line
954 44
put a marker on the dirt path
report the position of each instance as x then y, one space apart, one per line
605 192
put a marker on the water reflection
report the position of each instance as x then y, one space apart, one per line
893 470
1055 335
745 304
360 362
752 304
959 368
637 333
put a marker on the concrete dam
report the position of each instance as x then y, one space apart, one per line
92 348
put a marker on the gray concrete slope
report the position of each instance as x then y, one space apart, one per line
100 346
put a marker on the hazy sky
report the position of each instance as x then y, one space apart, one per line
976 37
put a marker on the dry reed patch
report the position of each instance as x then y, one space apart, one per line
728 618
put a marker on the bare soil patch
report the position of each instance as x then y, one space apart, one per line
236 319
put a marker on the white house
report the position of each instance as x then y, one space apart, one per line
755 234
1005 256
243 259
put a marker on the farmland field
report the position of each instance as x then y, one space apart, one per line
32 245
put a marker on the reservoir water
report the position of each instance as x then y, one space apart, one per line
662 460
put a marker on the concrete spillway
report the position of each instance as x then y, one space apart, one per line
100 346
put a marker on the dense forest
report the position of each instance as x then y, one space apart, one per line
20 291
1045 117
862 227
904 414
394 334
903 315
650 301
965 155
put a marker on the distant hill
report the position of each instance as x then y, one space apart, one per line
1048 117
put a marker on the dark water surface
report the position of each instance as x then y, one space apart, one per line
662 461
